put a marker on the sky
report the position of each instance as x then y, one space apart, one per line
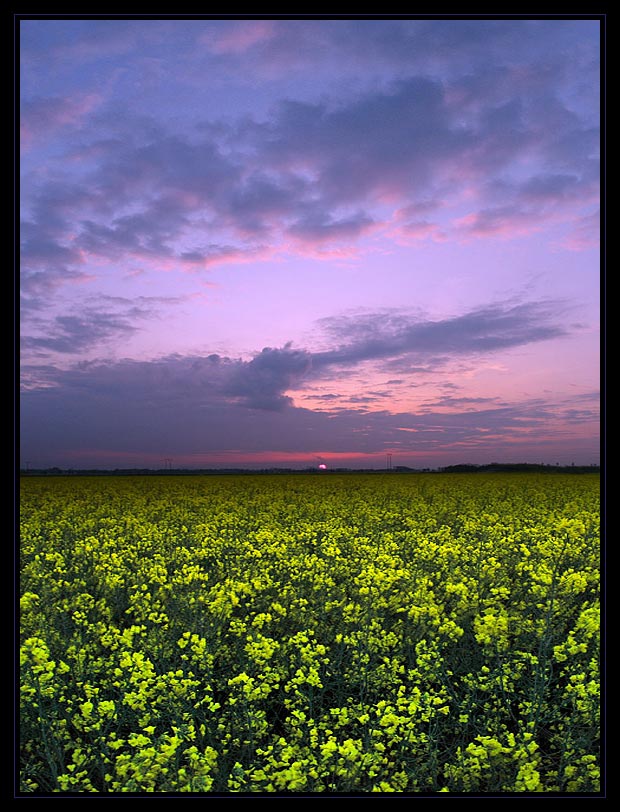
290 242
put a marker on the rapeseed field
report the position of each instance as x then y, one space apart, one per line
310 633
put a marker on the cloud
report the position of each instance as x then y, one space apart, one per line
97 323
541 199
215 254
449 402
238 36
320 171
49 255
451 47
39 250
261 202
386 142
507 221
420 230
174 407
393 334
38 284
73 334
46 264
264 381
548 186
145 233
320 227
585 233
41 117
326 396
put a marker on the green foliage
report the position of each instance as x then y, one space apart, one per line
349 633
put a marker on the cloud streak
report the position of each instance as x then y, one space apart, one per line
485 330
263 381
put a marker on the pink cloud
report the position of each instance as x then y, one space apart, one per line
215 255
308 248
419 230
310 234
238 457
408 224
504 221
41 117
584 234
223 459
242 35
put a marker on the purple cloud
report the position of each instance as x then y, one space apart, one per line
392 335
263 382
40 117
144 188
128 408
320 227
93 327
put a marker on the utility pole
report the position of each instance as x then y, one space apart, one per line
389 462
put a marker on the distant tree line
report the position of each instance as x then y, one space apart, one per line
493 467
518 467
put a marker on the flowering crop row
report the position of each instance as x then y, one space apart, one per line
337 633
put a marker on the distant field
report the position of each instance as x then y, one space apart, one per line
310 633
